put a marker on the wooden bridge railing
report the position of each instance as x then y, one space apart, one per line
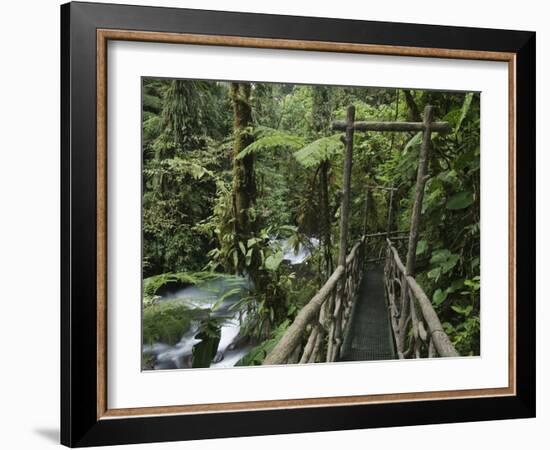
411 314
326 314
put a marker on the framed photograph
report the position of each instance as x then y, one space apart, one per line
276 224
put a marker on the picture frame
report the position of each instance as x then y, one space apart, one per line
86 29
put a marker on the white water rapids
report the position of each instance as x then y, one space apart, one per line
204 296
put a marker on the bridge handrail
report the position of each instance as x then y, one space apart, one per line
405 313
324 316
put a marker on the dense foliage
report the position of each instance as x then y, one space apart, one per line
232 169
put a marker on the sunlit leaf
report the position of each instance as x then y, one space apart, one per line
272 262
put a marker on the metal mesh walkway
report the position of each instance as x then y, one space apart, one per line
369 334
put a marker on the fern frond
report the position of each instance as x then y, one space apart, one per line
318 151
270 139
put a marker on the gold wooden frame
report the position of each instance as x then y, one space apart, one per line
103 36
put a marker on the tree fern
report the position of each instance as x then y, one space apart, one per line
270 139
318 151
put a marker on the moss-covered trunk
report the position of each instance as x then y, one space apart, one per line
244 179
321 114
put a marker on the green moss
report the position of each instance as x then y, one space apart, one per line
165 322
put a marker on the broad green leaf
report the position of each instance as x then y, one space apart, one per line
455 285
462 310
460 201
439 297
444 261
434 274
421 247
448 265
439 256
473 283
272 262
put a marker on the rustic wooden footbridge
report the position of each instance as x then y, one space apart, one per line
369 311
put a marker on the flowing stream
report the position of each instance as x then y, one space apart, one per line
232 347
297 257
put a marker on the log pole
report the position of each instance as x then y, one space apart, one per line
336 330
390 206
421 179
366 216
344 209
441 127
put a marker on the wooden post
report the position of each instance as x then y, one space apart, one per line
344 209
335 334
366 217
421 179
390 203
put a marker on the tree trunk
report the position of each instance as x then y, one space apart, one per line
244 180
326 232
414 113
346 186
336 342
321 124
421 178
